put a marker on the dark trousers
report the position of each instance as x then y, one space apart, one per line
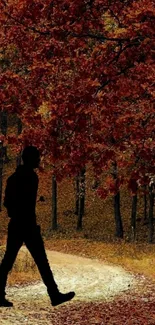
32 238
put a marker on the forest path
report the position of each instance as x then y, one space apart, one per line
92 281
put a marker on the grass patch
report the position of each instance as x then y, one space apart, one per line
24 269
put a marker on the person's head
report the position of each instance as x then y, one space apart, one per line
31 157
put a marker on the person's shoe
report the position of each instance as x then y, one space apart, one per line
5 303
60 298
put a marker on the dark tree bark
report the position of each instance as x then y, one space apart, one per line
77 194
117 212
54 203
19 126
18 159
1 172
118 218
4 122
80 215
19 131
4 127
81 198
151 204
133 218
145 203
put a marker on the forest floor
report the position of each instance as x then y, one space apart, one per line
105 295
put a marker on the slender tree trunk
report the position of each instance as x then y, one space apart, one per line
117 212
77 195
118 219
19 131
133 218
145 203
79 221
18 159
4 127
54 203
1 173
4 122
19 126
81 200
151 204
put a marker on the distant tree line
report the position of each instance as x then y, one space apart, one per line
80 193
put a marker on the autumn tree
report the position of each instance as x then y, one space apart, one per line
90 63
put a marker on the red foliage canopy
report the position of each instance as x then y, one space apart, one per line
80 74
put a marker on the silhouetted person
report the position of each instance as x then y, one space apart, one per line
20 201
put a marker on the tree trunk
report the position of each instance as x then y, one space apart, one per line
1 173
4 122
18 159
79 221
81 199
145 203
82 196
117 213
151 204
19 126
77 195
19 131
4 127
54 203
133 218
118 219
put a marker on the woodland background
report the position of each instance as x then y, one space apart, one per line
78 78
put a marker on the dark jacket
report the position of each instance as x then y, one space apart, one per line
20 195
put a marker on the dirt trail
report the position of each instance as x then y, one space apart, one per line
92 280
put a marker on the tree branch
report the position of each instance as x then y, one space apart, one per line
101 37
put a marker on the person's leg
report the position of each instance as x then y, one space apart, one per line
35 245
14 242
